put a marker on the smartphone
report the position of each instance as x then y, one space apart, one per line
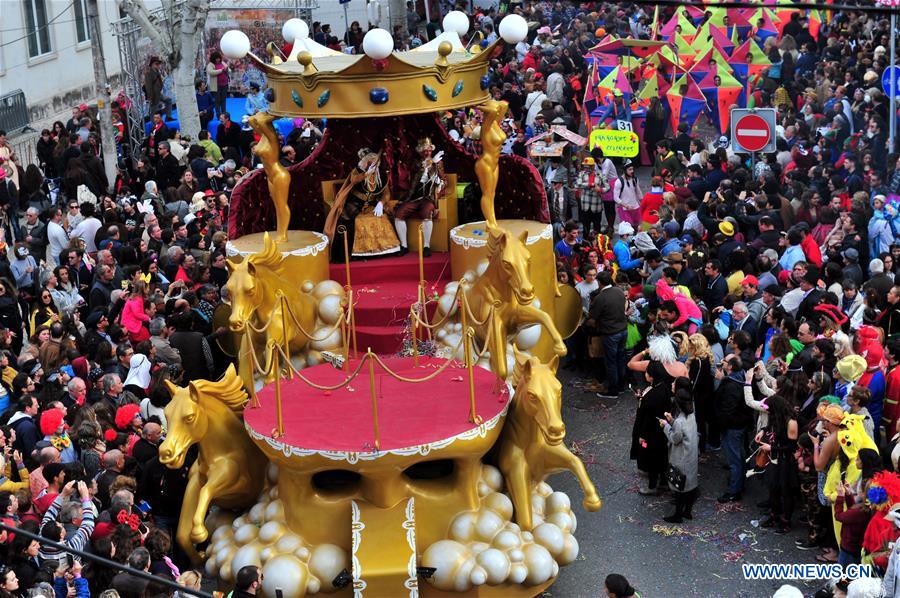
70 560
279 593
144 507
142 529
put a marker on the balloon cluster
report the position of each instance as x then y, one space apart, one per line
260 537
487 548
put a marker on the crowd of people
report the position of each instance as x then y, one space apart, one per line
753 307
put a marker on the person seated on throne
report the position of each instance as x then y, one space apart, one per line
360 206
427 184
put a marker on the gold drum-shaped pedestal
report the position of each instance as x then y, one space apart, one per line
469 247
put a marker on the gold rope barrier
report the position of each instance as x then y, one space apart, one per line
469 337
372 392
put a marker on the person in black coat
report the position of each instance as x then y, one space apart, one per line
228 137
159 132
716 285
734 417
95 173
11 317
45 146
651 449
168 170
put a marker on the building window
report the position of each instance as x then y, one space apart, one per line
36 25
82 29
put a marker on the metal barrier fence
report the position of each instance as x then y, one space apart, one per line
13 111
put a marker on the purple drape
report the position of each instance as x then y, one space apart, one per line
520 192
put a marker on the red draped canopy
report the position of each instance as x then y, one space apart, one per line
520 192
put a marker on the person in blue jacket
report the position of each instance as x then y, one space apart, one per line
621 249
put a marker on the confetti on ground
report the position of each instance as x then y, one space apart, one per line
732 556
729 507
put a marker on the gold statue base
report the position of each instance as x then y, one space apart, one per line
469 249
305 253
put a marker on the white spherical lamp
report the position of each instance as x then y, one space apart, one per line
378 44
513 29
234 44
457 22
294 29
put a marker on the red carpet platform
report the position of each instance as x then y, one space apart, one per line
409 414
385 288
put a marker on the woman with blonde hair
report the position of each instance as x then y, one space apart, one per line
700 372
189 579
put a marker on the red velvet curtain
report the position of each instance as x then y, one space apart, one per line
520 192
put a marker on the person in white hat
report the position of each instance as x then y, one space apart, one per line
621 249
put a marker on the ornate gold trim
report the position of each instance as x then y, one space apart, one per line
412 582
356 527
466 242
353 457
316 249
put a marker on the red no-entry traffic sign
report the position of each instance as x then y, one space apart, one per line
752 132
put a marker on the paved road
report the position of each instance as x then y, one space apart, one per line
628 535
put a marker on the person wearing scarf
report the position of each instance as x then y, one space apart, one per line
53 427
138 380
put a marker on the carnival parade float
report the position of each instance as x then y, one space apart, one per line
390 422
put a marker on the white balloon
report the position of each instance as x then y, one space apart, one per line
313 358
558 502
271 532
324 341
469 276
507 540
529 336
462 528
517 573
330 309
378 44
539 563
452 562
478 576
327 287
457 22
275 510
550 537
294 29
272 473
536 303
441 334
516 555
447 305
570 550
326 561
246 533
246 555
234 44
267 553
286 572
561 520
492 477
496 564
288 542
225 573
451 287
544 489
307 286
257 512
513 29
500 504
313 586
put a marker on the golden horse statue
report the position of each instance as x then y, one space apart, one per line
256 285
487 167
531 445
277 176
503 298
229 470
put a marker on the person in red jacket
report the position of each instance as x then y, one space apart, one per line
809 246
890 415
854 516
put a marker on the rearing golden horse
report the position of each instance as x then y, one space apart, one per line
253 285
531 446
505 289
277 176
229 469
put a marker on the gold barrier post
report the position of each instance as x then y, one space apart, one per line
254 400
349 287
371 357
469 337
276 363
423 299
345 331
415 339
287 345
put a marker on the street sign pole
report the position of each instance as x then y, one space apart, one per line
346 19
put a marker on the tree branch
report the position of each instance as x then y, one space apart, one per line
137 10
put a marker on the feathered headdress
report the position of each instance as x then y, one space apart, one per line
884 490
